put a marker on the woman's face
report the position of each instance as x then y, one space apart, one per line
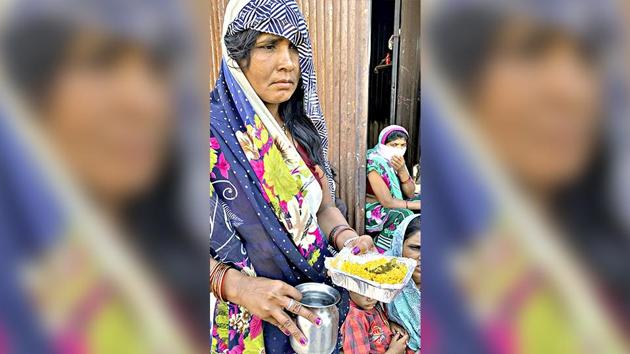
274 69
411 249
398 143
538 102
109 111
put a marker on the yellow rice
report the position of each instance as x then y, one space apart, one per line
382 270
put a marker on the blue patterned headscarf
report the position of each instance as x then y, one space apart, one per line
283 18
405 309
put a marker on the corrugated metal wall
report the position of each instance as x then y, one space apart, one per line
408 95
340 33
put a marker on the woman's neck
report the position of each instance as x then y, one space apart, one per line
274 109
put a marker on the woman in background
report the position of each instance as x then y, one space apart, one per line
389 186
405 309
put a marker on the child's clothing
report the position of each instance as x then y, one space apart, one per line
366 331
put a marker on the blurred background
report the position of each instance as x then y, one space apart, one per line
525 176
103 163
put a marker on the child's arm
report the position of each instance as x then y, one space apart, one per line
356 337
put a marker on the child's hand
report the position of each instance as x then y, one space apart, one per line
398 344
396 328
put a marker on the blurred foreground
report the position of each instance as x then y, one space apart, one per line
103 240
525 171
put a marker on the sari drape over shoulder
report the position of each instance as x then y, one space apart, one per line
263 197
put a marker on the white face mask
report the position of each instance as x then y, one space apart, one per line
388 152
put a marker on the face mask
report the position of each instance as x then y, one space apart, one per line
388 152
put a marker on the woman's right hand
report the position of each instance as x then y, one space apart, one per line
271 301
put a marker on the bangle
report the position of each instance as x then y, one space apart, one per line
347 228
406 204
407 180
333 232
336 231
217 274
345 244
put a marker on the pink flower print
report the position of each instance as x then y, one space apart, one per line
223 166
377 214
214 144
255 327
239 348
259 168
284 206
387 180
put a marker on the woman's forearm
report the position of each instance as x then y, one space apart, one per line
231 280
406 184
331 217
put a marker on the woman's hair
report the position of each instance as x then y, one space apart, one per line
33 53
412 227
239 46
395 135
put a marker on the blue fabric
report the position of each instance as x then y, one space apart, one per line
405 308
244 230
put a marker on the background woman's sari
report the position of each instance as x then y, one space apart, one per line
263 198
379 219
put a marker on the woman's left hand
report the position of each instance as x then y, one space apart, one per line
363 244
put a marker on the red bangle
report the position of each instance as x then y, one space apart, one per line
216 279
407 180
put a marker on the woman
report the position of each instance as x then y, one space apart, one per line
389 186
103 93
405 309
270 187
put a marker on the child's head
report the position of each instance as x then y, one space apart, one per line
411 246
361 301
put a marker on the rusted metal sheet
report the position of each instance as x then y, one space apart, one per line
340 34
408 91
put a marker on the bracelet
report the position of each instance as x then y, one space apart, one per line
333 232
347 228
345 244
407 180
406 204
217 275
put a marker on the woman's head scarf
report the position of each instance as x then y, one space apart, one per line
283 18
405 309
381 147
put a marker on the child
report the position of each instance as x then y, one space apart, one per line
367 330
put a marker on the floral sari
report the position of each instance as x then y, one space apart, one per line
378 219
263 197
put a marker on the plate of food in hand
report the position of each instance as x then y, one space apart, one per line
372 274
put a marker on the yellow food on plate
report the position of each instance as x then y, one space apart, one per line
382 270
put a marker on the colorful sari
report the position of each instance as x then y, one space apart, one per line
405 309
263 197
378 219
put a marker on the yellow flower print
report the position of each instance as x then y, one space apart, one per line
278 176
